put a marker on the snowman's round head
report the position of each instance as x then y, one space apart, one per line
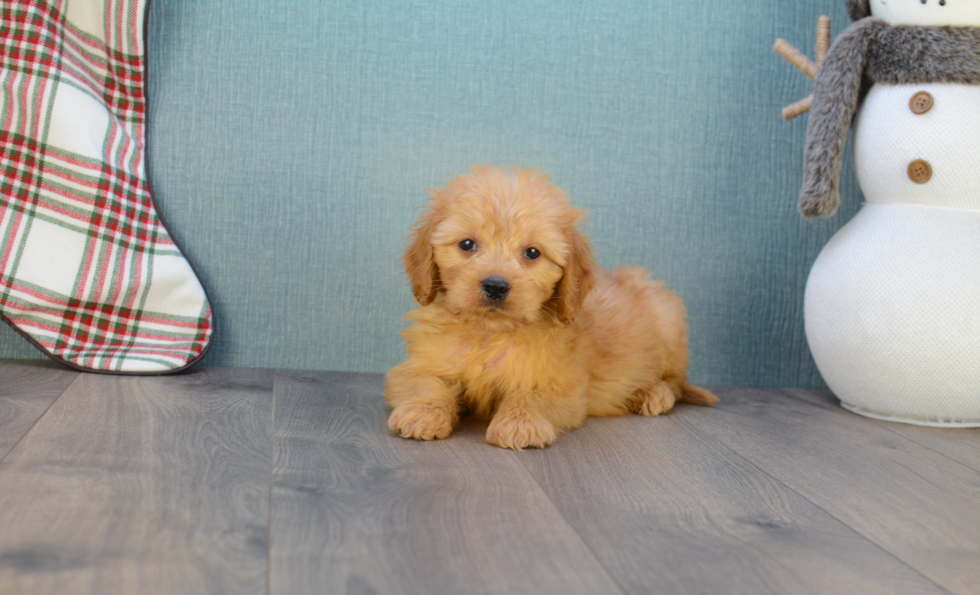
929 13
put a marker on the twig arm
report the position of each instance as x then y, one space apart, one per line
823 38
799 108
796 58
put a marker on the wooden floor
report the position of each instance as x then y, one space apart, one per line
249 481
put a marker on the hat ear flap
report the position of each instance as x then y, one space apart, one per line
858 9
578 277
420 261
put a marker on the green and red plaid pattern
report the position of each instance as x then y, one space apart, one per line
88 271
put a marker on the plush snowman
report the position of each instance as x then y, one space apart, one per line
892 304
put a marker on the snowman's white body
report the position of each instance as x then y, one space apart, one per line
892 304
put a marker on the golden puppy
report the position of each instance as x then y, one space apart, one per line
518 325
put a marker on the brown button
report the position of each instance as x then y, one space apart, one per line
921 102
920 171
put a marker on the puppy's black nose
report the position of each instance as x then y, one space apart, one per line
495 288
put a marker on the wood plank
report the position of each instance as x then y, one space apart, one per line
142 485
27 389
669 509
920 506
960 444
356 510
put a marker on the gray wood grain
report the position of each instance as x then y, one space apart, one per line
917 504
162 485
960 444
356 510
142 485
27 389
668 509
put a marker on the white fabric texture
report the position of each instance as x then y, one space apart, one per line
937 14
892 312
888 136
892 304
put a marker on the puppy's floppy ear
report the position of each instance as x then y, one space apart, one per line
578 278
419 260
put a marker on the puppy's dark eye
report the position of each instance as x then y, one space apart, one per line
531 253
468 245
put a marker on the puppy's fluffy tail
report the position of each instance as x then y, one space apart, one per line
696 395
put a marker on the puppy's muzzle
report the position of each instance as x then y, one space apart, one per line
495 288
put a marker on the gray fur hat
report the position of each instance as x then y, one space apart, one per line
858 9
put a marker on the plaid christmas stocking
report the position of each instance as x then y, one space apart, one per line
88 270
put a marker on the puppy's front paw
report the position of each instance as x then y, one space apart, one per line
422 421
519 430
653 400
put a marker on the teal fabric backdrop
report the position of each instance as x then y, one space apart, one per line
291 143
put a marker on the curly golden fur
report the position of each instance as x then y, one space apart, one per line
567 340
